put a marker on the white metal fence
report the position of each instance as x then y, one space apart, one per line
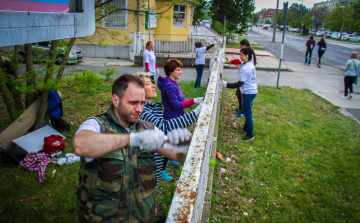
171 43
188 201
202 31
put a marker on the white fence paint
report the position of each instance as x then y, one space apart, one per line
188 200
202 31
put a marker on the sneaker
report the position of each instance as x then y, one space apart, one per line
239 115
247 138
237 110
350 96
345 97
319 66
165 176
173 163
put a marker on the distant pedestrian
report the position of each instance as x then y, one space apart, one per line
310 44
321 50
200 61
149 61
352 68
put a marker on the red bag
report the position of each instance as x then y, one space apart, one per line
53 144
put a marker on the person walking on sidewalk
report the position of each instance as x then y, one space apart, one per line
321 50
200 61
248 86
238 62
310 44
352 68
149 61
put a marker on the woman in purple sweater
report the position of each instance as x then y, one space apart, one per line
172 97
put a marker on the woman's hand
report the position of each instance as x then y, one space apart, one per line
198 100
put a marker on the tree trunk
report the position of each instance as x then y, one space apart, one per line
17 96
30 74
44 94
9 103
66 56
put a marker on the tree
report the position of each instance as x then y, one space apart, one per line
236 11
319 14
255 18
199 12
335 17
296 15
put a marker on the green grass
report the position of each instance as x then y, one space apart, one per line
303 165
254 46
24 199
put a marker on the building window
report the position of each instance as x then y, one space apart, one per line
179 16
117 19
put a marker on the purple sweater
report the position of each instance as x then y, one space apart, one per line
171 97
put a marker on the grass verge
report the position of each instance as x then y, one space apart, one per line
24 199
303 165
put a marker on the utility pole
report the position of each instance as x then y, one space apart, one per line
252 17
138 20
282 45
276 13
149 20
224 31
342 25
302 3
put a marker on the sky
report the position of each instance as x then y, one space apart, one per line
260 4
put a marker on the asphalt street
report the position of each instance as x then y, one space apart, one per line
336 54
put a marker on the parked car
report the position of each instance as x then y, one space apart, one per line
328 34
312 32
41 50
272 26
335 35
296 30
350 37
320 33
265 27
291 29
249 24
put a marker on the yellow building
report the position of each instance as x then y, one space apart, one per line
114 33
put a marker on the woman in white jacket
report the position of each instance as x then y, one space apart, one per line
149 61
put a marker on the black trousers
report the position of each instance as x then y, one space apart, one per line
239 97
320 54
348 82
152 79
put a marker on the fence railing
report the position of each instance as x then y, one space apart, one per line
171 43
188 201
202 31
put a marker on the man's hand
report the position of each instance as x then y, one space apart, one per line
178 135
147 140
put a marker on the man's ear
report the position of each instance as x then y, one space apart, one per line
115 100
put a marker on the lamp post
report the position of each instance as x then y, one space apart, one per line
252 18
302 3
276 13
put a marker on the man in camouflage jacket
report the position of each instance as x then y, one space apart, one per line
117 174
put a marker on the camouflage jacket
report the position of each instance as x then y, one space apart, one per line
120 186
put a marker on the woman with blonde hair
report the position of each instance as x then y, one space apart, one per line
352 67
153 113
149 61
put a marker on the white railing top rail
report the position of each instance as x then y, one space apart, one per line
188 200
203 30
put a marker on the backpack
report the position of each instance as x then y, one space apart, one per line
55 110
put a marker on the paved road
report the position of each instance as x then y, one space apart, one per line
337 52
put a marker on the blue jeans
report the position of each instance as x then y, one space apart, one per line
198 78
306 56
247 103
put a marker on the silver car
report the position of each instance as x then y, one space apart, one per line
41 50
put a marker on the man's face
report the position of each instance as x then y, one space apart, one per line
129 108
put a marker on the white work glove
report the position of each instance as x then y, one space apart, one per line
176 148
157 71
198 100
178 135
224 83
147 140
148 73
197 110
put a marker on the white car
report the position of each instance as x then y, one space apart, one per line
335 35
350 37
